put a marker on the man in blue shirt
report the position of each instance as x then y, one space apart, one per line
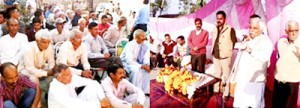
141 20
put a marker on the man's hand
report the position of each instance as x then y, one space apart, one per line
131 30
248 49
195 48
106 55
164 56
87 74
105 103
146 68
246 37
137 106
50 73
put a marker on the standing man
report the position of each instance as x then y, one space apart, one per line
224 39
252 68
197 42
142 19
287 79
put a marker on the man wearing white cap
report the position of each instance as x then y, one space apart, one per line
59 34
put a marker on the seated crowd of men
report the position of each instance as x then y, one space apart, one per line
67 72
249 71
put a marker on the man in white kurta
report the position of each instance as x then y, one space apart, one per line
115 87
114 34
11 45
62 92
252 68
59 34
38 57
71 52
135 58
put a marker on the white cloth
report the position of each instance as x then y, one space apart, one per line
11 48
95 46
70 57
84 33
198 32
116 95
154 47
113 35
56 37
37 62
138 76
251 73
64 96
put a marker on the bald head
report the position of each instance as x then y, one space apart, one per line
12 20
13 26
7 68
9 74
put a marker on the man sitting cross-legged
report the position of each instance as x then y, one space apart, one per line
116 87
62 93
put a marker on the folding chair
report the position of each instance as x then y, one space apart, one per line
56 49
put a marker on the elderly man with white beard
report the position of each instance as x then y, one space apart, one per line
252 67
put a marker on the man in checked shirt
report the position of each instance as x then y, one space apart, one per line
16 90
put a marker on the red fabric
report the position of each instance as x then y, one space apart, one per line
168 47
199 41
103 28
14 95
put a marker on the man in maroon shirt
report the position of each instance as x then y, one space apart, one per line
16 90
37 25
167 52
197 42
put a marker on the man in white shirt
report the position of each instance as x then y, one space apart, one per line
135 58
114 34
73 53
181 48
115 88
59 34
252 68
62 93
154 52
286 82
12 43
82 27
38 58
98 54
